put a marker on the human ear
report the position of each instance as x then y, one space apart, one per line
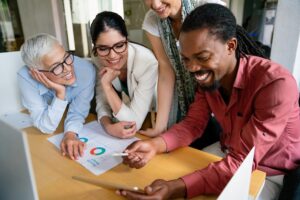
231 45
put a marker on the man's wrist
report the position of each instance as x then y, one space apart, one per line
159 145
178 188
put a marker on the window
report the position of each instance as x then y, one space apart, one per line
11 34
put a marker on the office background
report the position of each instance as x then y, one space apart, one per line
273 23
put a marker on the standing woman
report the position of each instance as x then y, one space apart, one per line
176 86
124 68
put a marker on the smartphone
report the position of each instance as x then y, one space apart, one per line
108 185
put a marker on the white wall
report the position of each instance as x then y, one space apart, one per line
44 16
286 38
237 8
10 102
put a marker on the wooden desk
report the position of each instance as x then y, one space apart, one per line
53 172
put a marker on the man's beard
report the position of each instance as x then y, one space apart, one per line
210 88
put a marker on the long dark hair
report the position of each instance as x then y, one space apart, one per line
220 21
104 21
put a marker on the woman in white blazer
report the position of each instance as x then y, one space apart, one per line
125 70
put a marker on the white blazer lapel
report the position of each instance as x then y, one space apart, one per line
131 83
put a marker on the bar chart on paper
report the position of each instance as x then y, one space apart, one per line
99 148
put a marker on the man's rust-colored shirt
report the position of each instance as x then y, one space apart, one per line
263 111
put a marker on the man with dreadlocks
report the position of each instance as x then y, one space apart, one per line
254 99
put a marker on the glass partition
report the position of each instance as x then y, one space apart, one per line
11 34
258 20
78 16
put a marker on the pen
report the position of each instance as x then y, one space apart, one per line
120 154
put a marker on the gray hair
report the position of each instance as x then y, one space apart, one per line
34 48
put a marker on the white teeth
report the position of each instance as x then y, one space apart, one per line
113 61
202 77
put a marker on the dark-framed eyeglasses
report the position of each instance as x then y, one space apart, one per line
59 68
103 50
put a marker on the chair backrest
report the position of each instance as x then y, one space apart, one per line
10 63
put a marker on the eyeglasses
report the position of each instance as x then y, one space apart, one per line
59 68
103 50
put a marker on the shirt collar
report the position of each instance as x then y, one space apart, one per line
240 76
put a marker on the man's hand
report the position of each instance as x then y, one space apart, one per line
72 146
107 75
140 153
158 190
59 89
121 129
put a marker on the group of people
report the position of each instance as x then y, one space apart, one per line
203 64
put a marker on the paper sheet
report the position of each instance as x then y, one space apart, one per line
100 147
17 120
239 184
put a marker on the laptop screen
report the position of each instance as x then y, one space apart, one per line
16 174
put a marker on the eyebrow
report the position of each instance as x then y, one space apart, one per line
102 45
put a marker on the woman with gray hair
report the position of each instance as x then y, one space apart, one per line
52 80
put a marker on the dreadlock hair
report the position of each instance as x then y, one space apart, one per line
220 22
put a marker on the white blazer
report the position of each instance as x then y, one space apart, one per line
142 75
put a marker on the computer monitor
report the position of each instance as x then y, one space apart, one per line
16 175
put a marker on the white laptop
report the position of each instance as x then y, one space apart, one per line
17 180
239 185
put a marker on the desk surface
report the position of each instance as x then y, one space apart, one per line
53 172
